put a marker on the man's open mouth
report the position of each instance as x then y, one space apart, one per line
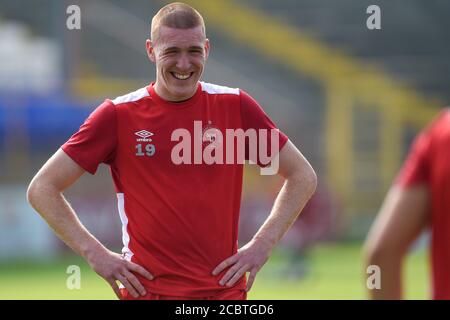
181 76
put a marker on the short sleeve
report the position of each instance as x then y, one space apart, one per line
95 142
416 168
254 117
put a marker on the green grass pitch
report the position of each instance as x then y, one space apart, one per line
334 272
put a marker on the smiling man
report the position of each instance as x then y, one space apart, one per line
179 48
180 220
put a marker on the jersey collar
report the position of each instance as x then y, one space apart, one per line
174 105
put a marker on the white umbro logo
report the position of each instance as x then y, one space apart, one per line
143 134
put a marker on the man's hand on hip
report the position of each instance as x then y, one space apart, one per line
113 267
250 258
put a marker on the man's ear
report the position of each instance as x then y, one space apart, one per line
150 50
207 48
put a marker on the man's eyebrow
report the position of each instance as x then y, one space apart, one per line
177 48
171 48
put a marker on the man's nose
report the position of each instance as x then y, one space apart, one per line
183 62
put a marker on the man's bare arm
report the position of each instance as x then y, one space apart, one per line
300 184
45 195
402 217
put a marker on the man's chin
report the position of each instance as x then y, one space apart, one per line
182 93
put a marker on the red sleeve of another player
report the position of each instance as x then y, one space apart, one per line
95 141
416 169
254 117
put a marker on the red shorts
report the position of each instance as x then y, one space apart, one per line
226 295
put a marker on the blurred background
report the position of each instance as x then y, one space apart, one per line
352 100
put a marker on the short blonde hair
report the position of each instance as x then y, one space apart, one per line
176 15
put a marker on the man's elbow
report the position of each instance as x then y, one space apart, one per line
36 190
33 192
312 181
308 178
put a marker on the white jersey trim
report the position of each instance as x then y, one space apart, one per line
216 89
125 236
132 96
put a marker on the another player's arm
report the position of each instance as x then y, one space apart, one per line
402 217
45 194
300 184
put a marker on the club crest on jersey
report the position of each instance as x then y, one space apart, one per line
143 136
210 134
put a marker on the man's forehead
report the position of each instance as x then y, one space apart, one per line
180 38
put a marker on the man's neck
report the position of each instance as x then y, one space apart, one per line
162 93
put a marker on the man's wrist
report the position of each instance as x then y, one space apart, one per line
265 242
92 250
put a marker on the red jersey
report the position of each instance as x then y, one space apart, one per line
429 163
179 220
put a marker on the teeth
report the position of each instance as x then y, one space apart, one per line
181 76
